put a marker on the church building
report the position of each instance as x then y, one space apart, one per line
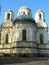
25 34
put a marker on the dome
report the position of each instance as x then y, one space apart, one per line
39 10
24 20
24 15
24 7
24 11
9 10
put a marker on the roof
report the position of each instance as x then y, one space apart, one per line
25 7
24 20
9 10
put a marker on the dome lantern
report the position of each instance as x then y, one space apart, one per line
24 12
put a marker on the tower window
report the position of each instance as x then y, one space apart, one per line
39 16
24 13
24 35
8 16
41 38
28 13
19 13
6 38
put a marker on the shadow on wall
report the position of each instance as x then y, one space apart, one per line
12 60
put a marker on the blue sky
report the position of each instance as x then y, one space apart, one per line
34 5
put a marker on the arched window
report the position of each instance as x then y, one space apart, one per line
28 13
24 35
19 13
40 16
6 38
24 13
8 16
41 38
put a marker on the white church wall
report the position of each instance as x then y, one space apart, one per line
41 31
30 31
44 48
45 37
3 35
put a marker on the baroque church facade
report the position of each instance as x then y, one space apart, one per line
24 34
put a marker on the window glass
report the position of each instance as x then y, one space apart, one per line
24 35
41 38
8 16
40 15
6 38
23 12
28 13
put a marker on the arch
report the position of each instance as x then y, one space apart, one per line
40 16
8 16
24 13
6 38
24 35
41 38
28 13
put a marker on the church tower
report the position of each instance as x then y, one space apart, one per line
41 27
39 16
9 15
6 35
